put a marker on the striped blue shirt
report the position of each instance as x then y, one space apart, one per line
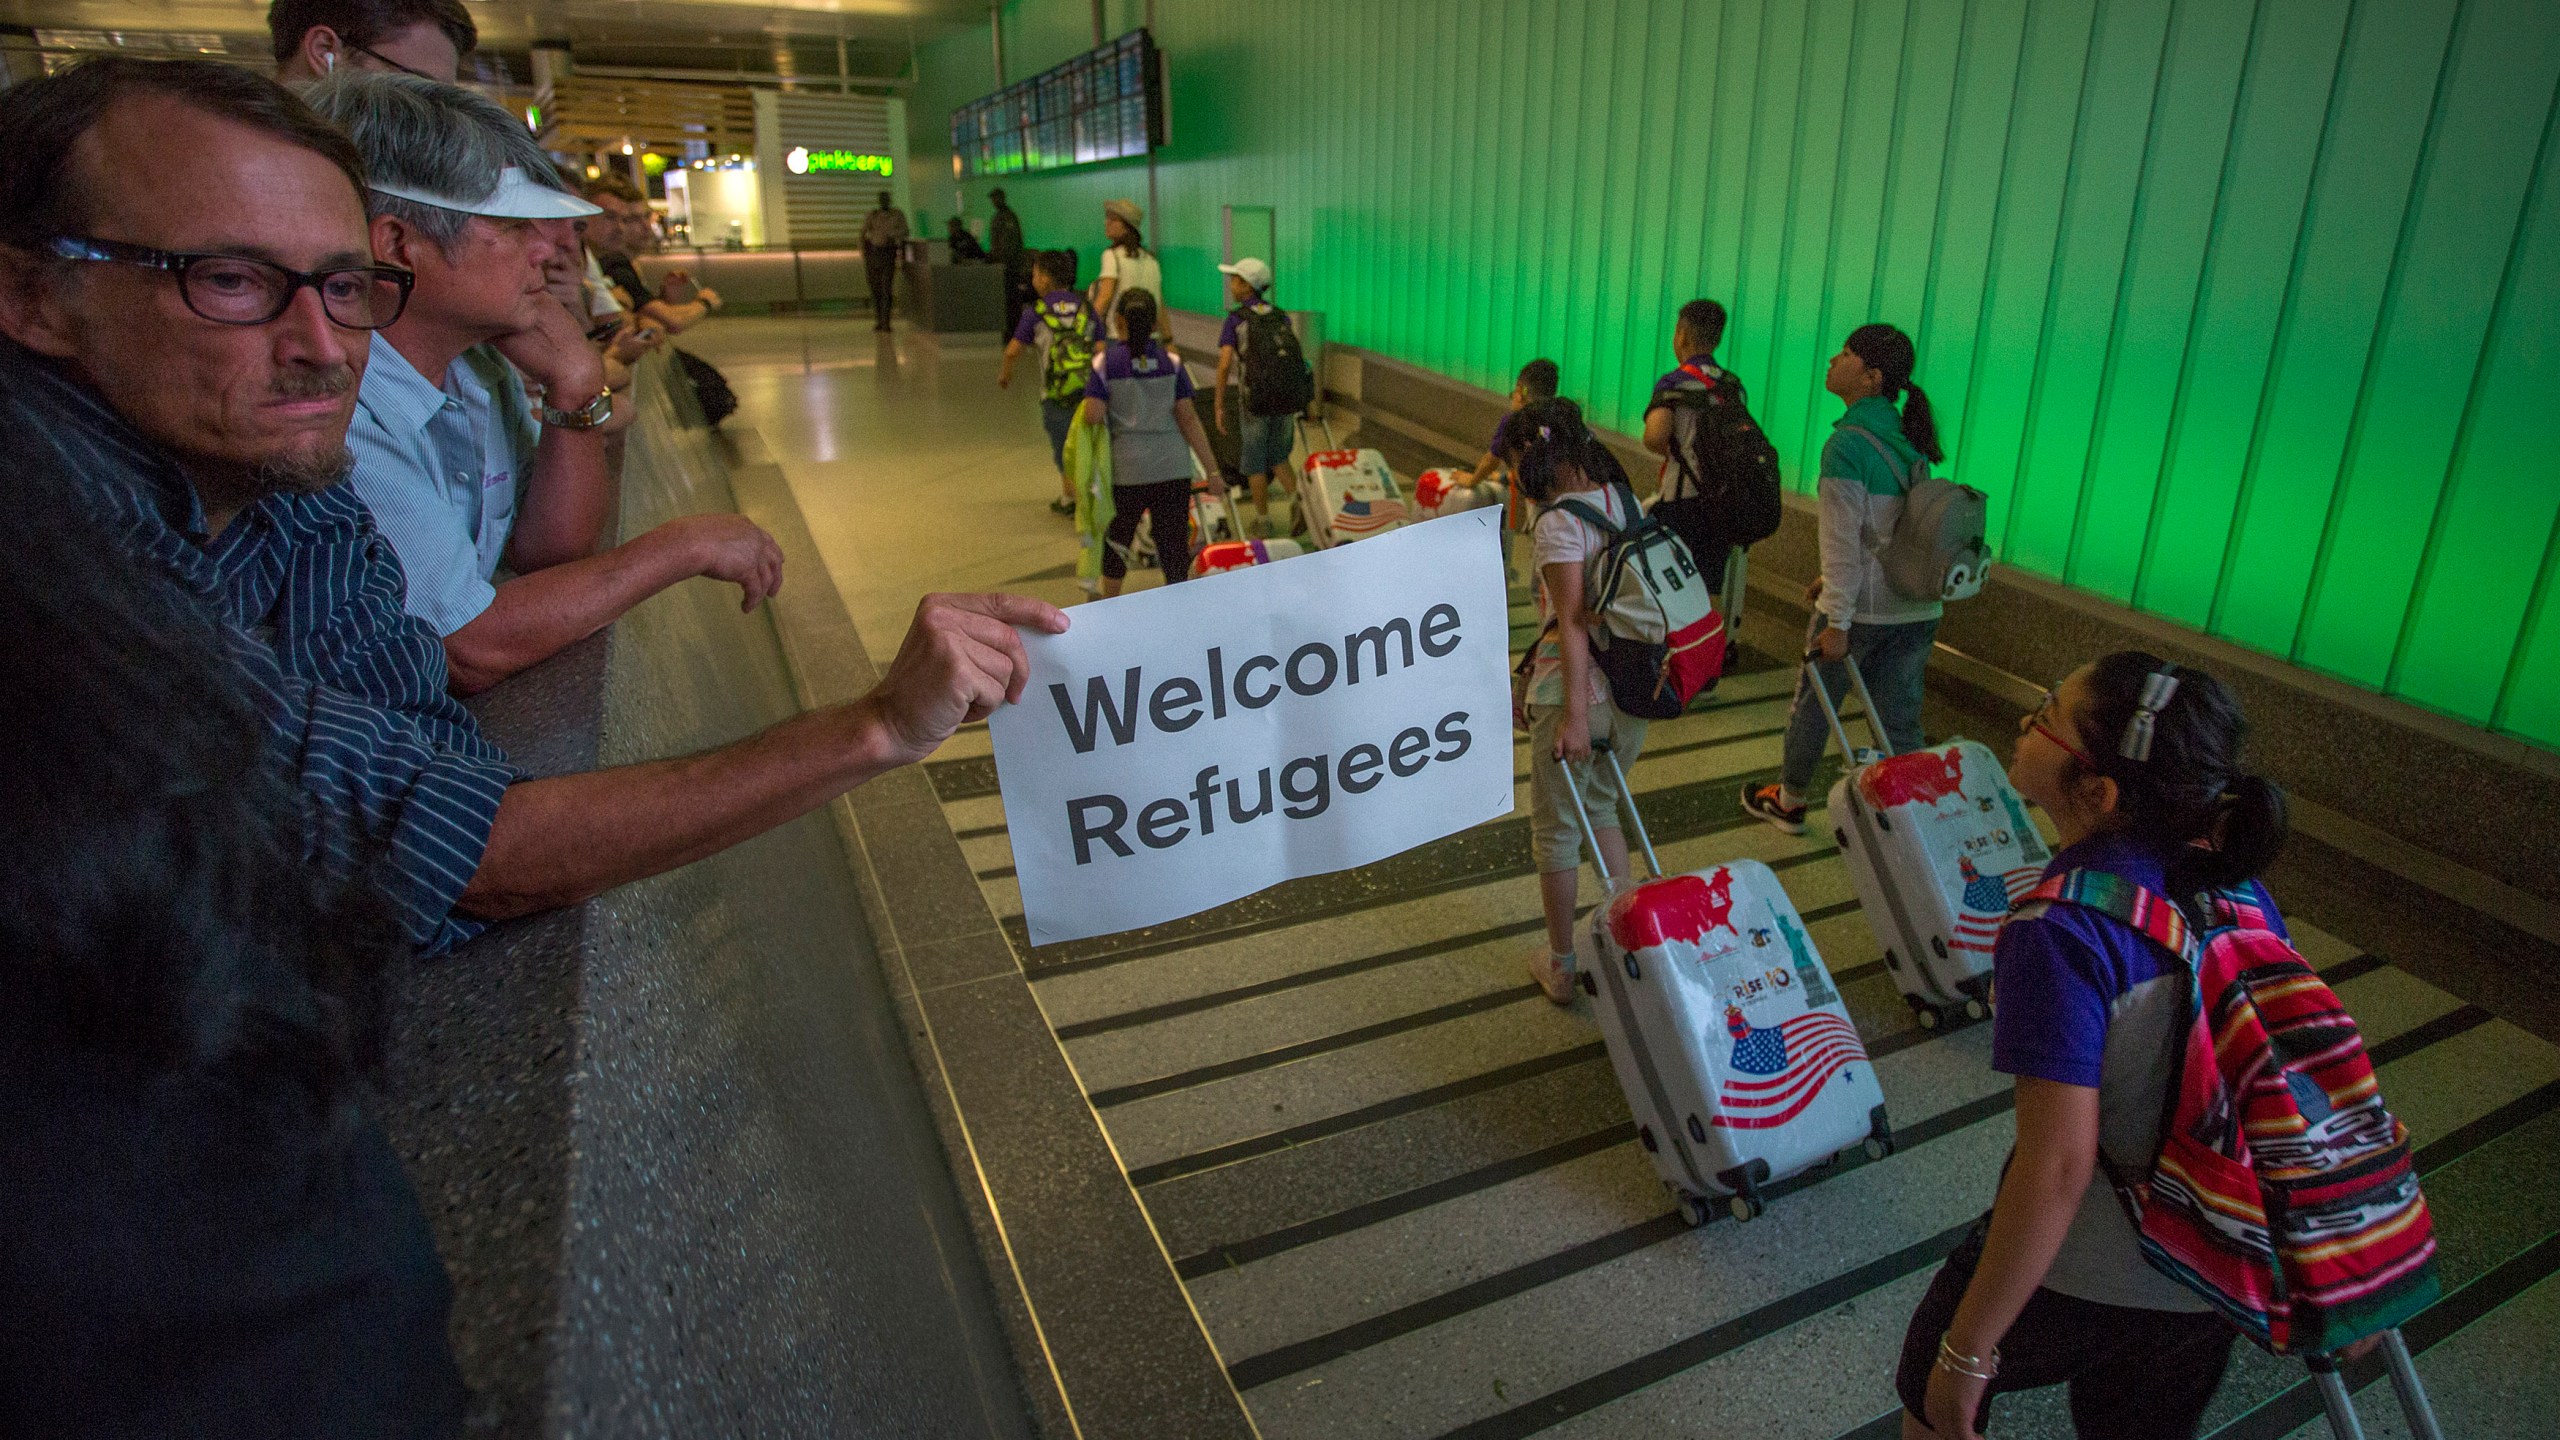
399 787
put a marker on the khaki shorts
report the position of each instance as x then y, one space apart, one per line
1555 837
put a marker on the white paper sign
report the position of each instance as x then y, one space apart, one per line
1180 747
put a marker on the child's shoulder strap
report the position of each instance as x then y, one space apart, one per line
2138 906
1588 515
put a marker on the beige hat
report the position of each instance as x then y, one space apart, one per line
1126 211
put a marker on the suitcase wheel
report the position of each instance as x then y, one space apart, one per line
1644 1137
1976 1010
1693 1211
1840 838
1879 1146
1927 1015
1745 1208
1590 986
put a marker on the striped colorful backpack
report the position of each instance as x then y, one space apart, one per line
2284 1194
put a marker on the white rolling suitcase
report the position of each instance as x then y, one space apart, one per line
1939 846
1347 495
1736 1055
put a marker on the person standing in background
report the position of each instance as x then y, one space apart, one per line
1127 264
426 38
1062 328
1143 391
1874 454
884 234
1257 332
1004 244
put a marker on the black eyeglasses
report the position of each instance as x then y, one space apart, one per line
237 290
387 60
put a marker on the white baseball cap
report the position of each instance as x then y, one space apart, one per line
518 196
1250 271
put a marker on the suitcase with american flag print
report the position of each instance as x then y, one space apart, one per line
1348 495
1938 846
1727 1035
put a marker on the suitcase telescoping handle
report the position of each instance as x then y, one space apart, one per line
2404 1381
1831 712
1591 839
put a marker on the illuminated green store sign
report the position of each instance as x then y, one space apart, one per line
804 161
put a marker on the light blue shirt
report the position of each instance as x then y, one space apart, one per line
442 469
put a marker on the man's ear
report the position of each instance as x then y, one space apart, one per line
32 308
395 243
319 44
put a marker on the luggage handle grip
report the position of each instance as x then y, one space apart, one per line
1581 814
1831 712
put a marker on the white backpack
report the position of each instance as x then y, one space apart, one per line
1940 547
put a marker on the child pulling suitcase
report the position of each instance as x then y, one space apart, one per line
1735 1052
1938 847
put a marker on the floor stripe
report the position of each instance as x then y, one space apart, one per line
1707 1344
1387 1207
1041 969
1295 1135
1322 1349
1304 1049
1172 1009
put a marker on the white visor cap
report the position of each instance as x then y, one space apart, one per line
1250 271
518 196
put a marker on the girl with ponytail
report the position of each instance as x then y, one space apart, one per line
1877 449
2137 761
1565 706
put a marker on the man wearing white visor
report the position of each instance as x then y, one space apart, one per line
467 474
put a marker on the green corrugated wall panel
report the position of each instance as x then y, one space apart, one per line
2479 162
2293 63
2503 495
2026 231
2378 114
2240 309
2119 85
2157 311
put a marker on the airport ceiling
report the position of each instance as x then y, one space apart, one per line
750 37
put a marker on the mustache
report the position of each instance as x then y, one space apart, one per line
314 382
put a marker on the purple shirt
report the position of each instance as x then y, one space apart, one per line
1061 303
1230 335
2063 969
1119 362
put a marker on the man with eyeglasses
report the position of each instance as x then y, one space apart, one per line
318 38
449 456
187 299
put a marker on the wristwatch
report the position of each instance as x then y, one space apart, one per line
586 417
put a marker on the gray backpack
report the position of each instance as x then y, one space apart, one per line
1939 549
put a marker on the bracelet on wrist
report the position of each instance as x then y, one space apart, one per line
1972 1367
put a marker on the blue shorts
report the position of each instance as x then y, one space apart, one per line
1057 417
1267 439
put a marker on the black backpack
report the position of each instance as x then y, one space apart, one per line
1733 489
1277 379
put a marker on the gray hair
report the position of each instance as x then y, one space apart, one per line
425 135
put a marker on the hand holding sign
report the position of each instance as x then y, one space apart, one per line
961 659
1190 745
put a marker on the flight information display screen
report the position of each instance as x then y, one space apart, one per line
1107 104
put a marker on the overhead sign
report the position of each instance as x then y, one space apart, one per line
804 161
1182 747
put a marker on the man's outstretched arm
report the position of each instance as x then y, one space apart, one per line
537 615
560 841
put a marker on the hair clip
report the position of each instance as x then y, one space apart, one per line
1546 433
2156 691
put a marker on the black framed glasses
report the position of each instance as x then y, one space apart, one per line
387 60
238 290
